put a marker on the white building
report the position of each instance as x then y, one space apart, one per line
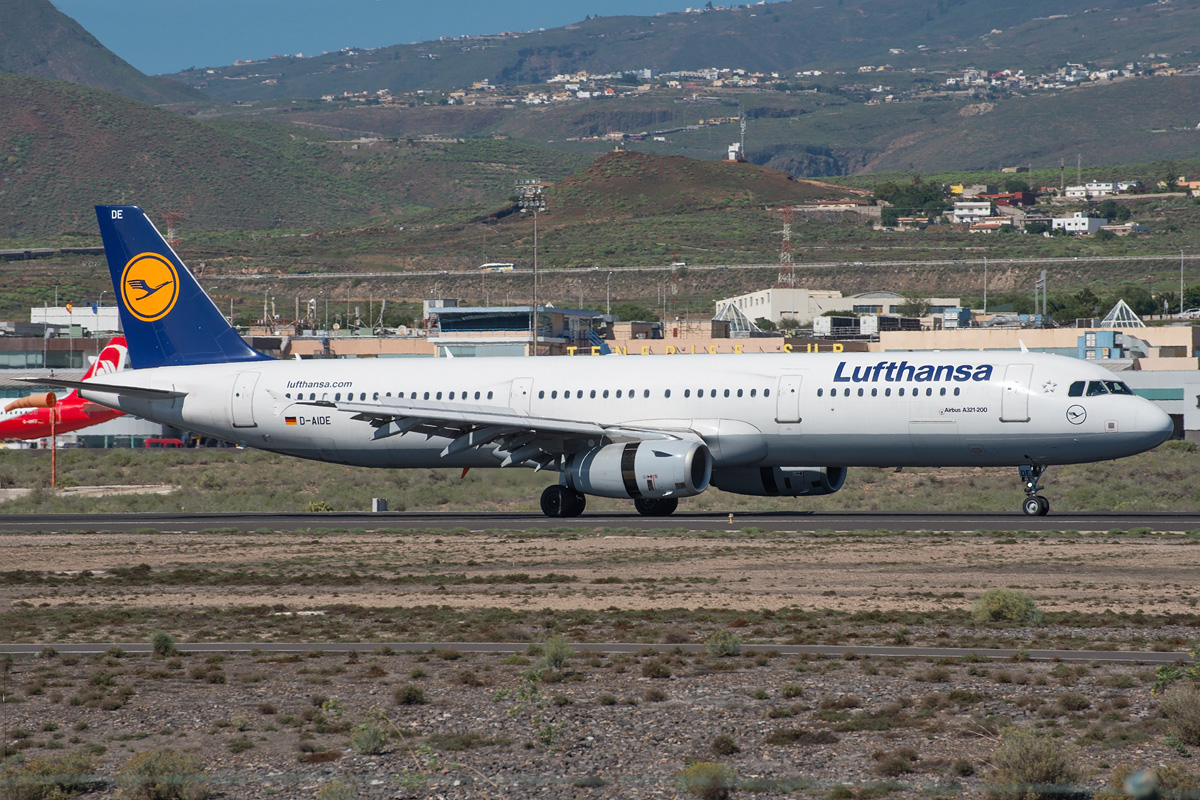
1099 188
971 210
91 318
1078 223
800 307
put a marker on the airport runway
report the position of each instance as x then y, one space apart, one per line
779 521
834 651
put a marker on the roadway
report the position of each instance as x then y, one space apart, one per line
1173 258
778 521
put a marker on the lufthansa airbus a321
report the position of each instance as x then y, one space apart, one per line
652 429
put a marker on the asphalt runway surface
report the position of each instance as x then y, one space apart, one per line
779 521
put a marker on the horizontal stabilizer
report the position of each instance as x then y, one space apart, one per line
107 388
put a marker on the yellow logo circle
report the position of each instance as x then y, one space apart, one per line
149 286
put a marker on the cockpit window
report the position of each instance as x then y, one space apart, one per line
1095 388
1076 389
1118 387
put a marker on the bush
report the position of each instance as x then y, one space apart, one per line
163 644
557 650
163 774
1031 766
409 695
708 781
724 745
1006 605
655 669
48 777
723 643
338 789
369 739
1181 706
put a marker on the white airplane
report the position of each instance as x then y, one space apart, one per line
648 428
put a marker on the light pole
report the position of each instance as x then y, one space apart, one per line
608 294
1181 283
985 284
532 199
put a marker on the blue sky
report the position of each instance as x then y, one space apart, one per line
159 36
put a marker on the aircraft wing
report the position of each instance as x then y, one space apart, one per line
523 437
107 388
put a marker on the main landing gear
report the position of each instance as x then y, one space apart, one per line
662 507
1035 505
562 501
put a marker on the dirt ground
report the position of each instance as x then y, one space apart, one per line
1154 574
396 724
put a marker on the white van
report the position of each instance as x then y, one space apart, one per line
497 266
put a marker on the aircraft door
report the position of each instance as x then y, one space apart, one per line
1014 403
519 394
787 403
242 401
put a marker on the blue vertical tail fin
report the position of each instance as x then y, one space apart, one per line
168 319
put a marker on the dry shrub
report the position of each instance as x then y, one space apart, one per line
1031 766
48 777
163 774
1006 605
708 781
1181 706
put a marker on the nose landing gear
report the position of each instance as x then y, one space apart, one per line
1034 505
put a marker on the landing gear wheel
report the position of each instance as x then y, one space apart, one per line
663 507
560 501
577 501
1034 505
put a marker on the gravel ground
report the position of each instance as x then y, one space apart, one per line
268 726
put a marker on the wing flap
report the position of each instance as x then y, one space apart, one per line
518 437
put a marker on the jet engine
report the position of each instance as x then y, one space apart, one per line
780 481
647 470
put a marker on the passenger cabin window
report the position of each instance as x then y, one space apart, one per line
820 392
666 393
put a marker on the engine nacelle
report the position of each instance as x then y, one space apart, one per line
780 481
649 470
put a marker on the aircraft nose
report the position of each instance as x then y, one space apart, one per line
1155 424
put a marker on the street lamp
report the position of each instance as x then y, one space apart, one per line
532 199
608 294
1181 283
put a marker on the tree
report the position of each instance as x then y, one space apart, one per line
1111 210
914 306
1016 185
765 324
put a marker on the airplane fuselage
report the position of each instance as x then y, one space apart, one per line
962 408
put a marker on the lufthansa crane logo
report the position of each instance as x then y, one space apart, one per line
149 286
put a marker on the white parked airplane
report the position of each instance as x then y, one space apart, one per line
649 428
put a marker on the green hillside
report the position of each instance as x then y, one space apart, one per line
38 40
627 183
66 148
